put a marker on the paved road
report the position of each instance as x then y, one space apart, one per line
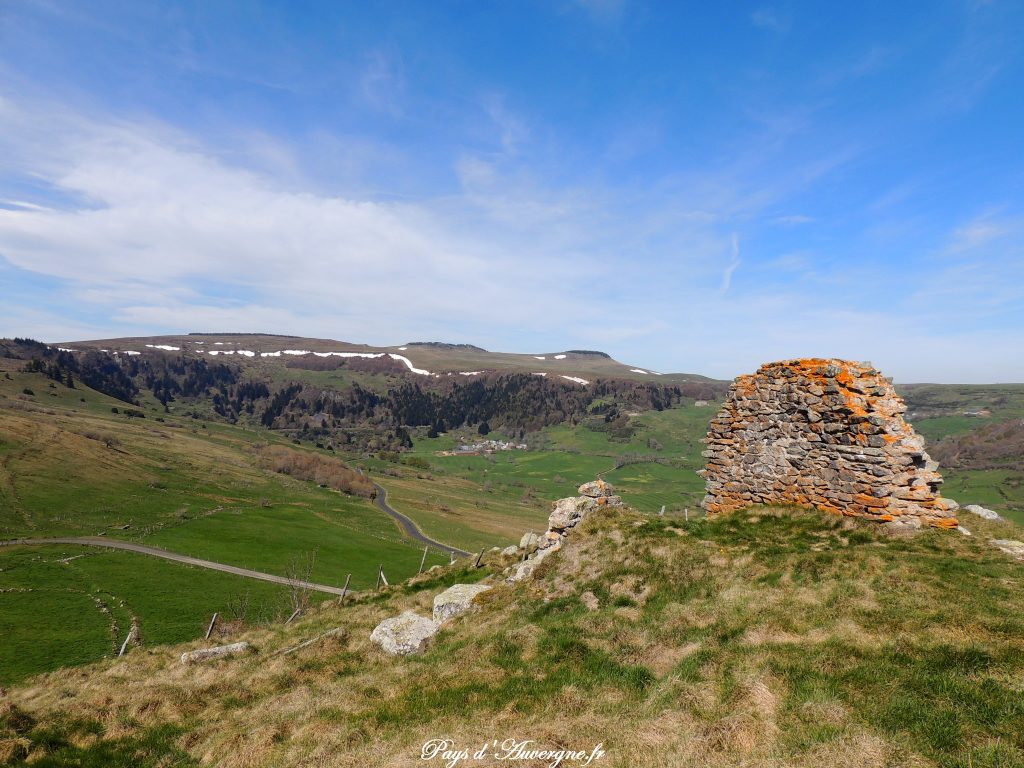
409 527
99 541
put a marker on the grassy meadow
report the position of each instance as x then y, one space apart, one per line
774 637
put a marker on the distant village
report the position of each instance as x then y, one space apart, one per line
483 447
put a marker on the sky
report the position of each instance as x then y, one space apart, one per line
692 187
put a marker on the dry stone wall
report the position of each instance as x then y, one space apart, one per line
823 433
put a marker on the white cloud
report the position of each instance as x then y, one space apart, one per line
769 18
732 267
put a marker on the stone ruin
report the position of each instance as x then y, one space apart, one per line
566 514
822 433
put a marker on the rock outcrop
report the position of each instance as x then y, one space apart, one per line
405 634
982 512
205 654
823 433
456 600
566 514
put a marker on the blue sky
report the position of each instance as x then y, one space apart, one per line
690 188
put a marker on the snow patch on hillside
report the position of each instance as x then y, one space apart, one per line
165 347
638 370
349 354
408 364
266 354
576 379
559 357
539 357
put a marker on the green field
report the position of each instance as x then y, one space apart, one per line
62 605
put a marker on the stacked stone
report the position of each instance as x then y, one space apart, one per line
566 514
823 433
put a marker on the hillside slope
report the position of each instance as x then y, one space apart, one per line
767 638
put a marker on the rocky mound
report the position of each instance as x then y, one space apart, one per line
823 433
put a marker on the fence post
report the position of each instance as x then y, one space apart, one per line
451 557
478 558
662 512
344 590
380 570
526 549
423 560
131 633
384 578
209 629
297 612
686 513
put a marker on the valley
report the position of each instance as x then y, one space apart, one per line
186 475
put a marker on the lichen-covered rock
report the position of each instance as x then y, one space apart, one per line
405 634
529 538
595 489
568 512
205 654
456 600
987 514
511 549
822 433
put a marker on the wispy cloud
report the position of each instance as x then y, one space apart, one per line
770 18
734 264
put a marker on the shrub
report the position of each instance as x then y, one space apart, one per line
323 470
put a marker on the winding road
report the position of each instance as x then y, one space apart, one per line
409 527
98 541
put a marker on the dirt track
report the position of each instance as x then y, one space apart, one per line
99 541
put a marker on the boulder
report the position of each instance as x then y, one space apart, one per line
512 549
204 654
980 511
405 634
595 489
456 600
528 540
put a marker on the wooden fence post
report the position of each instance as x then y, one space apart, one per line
383 578
209 629
423 560
344 590
380 570
478 558
131 633
289 619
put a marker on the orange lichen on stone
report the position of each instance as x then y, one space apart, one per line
824 433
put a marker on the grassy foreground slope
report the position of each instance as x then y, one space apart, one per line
768 638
